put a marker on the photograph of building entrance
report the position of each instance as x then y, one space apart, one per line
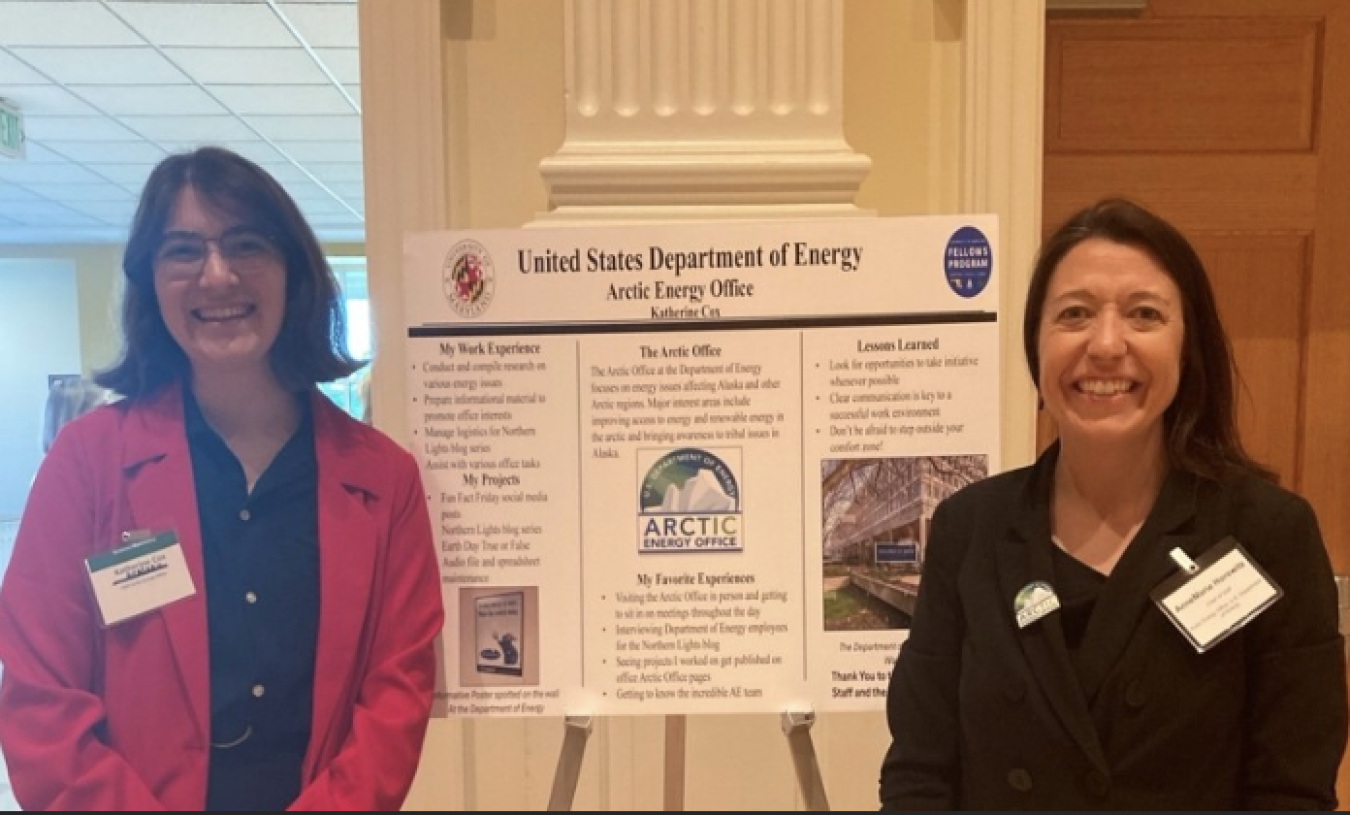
875 518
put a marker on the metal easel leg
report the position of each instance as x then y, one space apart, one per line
797 728
578 730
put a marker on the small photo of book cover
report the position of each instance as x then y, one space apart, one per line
499 629
499 635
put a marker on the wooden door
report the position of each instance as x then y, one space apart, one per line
1232 119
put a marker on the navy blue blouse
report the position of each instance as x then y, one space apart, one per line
261 559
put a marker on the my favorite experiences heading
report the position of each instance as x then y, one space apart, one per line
789 254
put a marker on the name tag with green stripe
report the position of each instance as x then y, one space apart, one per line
146 573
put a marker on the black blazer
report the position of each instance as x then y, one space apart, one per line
985 715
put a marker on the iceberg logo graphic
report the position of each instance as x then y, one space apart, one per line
1034 601
690 501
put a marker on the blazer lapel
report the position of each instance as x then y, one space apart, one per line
157 471
1124 600
1022 558
348 543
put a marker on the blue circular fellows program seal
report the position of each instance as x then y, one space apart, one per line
968 261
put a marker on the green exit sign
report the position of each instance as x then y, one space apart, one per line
11 131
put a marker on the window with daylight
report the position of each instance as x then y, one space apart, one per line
349 393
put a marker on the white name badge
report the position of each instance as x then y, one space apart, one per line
1218 594
141 576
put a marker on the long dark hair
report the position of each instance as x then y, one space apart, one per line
312 344
1200 425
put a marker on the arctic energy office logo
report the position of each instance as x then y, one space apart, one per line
690 502
468 278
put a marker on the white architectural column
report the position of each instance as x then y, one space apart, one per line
1002 159
681 109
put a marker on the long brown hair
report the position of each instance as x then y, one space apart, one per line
1200 425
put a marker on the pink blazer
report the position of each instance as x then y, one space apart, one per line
119 718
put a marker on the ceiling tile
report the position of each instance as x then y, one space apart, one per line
63 24
130 176
327 206
323 25
112 152
301 186
109 88
73 193
248 100
343 63
14 72
103 66
309 152
188 129
336 172
248 66
287 174
50 99
11 193
257 151
350 190
24 173
74 128
48 213
149 100
116 213
309 128
206 24
36 153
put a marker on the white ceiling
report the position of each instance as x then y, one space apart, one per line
107 88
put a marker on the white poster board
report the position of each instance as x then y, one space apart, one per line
698 459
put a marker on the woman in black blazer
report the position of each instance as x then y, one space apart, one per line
1143 619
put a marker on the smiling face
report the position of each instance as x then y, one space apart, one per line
1110 345
224 313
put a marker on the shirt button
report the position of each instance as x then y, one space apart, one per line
250 597
1020 780
244 515
258 691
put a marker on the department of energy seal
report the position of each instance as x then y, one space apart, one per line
690 501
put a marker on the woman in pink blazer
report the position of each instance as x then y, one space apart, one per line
224 593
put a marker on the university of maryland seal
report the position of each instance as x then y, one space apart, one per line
468 278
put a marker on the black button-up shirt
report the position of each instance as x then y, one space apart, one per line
261 559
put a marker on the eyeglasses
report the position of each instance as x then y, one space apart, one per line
182 255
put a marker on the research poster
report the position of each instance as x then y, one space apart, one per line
690 468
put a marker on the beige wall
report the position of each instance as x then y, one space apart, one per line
902 102
97 274
504 81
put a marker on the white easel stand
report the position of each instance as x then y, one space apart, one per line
577 729
797 728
